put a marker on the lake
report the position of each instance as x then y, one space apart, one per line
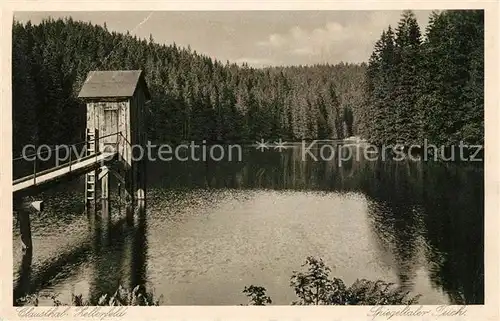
211 228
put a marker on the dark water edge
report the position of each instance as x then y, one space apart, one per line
427 218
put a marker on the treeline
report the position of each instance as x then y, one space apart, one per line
193 96
427 87
416 86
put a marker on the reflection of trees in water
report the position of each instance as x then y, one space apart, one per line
437 209
413 207
393 205
454 206
429 211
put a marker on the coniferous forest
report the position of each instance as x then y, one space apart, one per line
418 84
427 85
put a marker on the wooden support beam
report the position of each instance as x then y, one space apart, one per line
117 175
24 208
141 205
105 184
141 194
129 214
25 228
129 187
105 209
141 180
104 171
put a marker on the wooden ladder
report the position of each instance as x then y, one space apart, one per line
90 178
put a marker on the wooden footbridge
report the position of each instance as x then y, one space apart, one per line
74 167
115 124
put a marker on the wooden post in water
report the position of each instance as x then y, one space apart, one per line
23 215
24 208
141 186
105 210
119 187
129 214
104 183
141 171
129 187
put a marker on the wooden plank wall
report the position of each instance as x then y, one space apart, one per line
96 120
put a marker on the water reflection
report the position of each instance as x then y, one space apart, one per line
422 213
120 250
116 247
396 216
423 217
453 203
140 248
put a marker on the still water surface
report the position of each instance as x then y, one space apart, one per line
210 229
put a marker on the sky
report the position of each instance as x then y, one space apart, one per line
259 38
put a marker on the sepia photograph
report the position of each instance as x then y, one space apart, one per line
235 158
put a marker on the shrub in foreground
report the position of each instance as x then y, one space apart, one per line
315 287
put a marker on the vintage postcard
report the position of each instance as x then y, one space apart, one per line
204 159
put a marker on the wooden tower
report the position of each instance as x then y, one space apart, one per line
116 121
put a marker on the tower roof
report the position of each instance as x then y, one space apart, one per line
116 83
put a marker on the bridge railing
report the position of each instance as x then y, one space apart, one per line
48 157
124 148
